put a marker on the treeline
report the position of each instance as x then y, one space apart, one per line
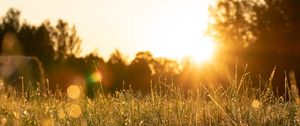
261 33
57 48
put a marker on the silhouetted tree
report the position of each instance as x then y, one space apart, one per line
117 66
56 47
139 72
67 42
11 21
44 41
262 33
36 41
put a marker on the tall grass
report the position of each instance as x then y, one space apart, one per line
234 104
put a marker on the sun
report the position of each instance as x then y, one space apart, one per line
178 32
199 52
202 52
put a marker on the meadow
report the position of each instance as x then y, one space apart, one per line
165 105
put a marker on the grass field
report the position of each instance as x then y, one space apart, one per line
230 105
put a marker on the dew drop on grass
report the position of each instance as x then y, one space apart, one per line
255 104
25 112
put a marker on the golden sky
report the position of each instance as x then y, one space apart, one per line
169 28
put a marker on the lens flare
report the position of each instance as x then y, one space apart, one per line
74 111
73 91
95 77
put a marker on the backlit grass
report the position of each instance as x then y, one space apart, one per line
230 105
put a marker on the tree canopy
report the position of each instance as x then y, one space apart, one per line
261 33
242 24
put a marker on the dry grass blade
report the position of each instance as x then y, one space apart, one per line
294 87
271 78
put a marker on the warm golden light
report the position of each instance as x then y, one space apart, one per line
202 51
167 28
197 51
74 111
47 122
73 91
96 77
255 104
61 114
178 34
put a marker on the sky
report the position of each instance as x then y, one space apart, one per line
167 28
